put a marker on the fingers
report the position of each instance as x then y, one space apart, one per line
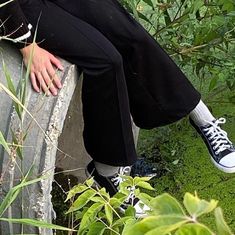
56 62
42 83
49 82
34 82
54 76
46 80
42 73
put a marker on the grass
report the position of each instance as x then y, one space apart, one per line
184 163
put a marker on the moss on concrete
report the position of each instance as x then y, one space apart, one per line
186 164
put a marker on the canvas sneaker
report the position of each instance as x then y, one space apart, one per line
111 184
221 149
143 168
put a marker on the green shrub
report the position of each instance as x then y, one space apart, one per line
97 213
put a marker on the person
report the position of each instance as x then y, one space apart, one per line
125 72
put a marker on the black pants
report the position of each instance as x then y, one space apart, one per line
125 71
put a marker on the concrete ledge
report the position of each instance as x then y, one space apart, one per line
39 151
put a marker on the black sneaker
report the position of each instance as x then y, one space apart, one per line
111 184
221 149
143 168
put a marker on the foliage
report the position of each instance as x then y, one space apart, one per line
196 33
11 197
98 213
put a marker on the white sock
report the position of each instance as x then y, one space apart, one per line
106 170
201 114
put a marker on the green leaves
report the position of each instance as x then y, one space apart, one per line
12 89
156 225
96 228
82 200
149 2
93 205
36 223
166 205
197 207
99 214
222 227
193 32
109 213
144 185
75 190
4 143
194 229
89 217
14 192
170 217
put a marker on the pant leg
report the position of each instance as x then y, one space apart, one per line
159 92
107 133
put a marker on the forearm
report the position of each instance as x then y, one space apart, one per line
14 24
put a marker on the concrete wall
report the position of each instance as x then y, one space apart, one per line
40 146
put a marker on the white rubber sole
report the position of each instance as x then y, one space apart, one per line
229 170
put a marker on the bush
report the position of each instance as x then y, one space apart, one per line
98 213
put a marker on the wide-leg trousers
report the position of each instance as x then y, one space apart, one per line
125 72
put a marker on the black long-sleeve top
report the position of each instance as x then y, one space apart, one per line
13 23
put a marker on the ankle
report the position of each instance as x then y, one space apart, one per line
105 169
201 115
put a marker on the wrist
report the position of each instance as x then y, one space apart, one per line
28 48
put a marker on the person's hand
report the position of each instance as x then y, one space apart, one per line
42 73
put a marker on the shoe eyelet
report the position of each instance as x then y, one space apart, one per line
216 153
115 184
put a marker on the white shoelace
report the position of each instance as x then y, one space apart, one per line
122 172
119 179
219 138
131 197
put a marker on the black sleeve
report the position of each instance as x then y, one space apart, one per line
14 24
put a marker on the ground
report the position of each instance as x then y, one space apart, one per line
184 163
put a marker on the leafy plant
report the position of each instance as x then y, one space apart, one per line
97 213
10 198
199 35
